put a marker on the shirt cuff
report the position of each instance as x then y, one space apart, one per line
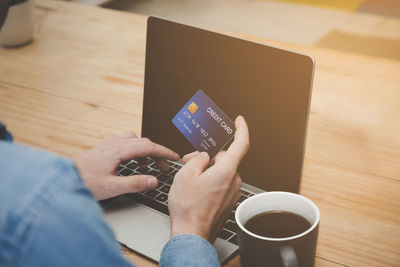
188 250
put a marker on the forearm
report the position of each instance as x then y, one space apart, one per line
188 250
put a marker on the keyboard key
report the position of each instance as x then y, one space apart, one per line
176 166
163 177
132 165
125 162
244 193
160 184
234 240
154 166
125 172
231 226
165 189
153 173
152 193
242 198
120 167
173 172
143 170
146 162
232 216
224 234
162 197
169 181
150 202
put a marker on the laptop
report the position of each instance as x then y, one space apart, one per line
269 86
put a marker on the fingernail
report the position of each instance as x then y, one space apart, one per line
151 182
203 154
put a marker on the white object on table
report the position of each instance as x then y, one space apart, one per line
19 25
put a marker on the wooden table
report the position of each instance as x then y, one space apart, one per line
82 79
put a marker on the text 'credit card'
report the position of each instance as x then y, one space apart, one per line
204 124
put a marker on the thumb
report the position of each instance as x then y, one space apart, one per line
139 182
134 183
189 156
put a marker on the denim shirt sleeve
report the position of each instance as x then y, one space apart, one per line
47 215
49 218
188 250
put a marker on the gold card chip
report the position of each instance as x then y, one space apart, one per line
192 107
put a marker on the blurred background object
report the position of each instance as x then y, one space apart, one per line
18 26
370 27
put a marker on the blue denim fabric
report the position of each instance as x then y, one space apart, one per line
49 218
189 251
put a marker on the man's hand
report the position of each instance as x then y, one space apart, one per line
97 166
200 199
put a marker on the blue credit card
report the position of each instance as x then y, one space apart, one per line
204 124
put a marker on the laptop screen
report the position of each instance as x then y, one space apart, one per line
270 87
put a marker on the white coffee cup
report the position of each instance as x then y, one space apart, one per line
19 25
298 250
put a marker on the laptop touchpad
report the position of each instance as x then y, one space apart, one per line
138 227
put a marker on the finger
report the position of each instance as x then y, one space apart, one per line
163 165
142 162
194 167
237 184
111 136
187 157
241 142
142 182
232 197
143 147
217 157
126 135
131 184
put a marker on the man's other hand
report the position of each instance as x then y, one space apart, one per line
201 198
97 166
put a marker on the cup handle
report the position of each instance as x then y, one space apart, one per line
289 257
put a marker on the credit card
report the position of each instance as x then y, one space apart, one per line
204 124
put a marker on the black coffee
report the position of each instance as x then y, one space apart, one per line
277 224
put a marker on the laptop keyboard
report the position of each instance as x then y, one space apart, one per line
158 198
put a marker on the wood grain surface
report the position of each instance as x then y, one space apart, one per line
82 79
